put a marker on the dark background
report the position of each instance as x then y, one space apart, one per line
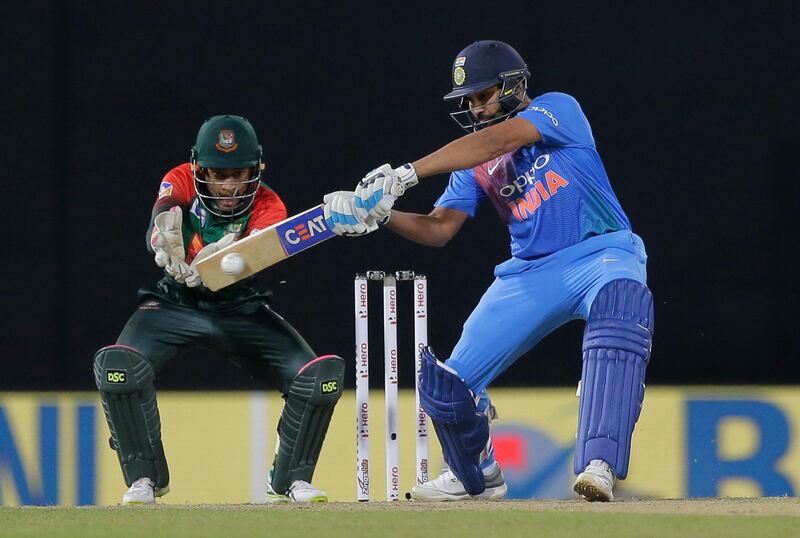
693 107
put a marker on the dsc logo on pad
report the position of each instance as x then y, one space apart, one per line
115 376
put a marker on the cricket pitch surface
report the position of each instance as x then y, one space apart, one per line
716 518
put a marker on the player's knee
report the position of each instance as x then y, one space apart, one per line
121 369
319 381
621 317
467 371
443 393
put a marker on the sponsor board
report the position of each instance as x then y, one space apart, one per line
690 442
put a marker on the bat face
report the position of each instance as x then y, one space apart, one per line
303 231
267 247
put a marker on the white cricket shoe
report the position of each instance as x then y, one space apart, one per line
596 482
447 487
143 491
300 492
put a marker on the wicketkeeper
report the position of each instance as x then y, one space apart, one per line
203 205
573 255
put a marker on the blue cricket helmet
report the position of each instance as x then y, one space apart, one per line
480 66
483 65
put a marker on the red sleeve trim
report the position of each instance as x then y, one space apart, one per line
268 209
176 188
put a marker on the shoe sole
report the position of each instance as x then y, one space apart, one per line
591 492
281 499
490 494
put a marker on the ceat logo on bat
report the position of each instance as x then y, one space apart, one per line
303 231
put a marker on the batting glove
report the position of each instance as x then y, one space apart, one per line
377 192
341 217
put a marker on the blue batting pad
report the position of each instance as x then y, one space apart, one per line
616 348
461 429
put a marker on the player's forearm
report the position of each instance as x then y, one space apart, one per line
461 154
477 148
423 229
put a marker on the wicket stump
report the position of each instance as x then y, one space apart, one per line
420 298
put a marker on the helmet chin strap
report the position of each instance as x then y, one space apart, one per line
509 105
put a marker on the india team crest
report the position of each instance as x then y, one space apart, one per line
459 76
227 141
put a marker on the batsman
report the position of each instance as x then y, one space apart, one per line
202 206
573 255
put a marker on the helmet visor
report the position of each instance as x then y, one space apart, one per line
463 91
226 204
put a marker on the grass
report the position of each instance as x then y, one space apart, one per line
505 520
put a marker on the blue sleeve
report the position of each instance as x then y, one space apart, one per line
463 193
559 119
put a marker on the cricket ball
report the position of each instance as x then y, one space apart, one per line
232 264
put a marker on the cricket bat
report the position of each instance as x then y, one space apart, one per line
267 247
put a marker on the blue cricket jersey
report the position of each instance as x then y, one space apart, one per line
551 195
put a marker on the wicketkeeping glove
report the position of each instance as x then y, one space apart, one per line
193 279
377 192
166 240
341 217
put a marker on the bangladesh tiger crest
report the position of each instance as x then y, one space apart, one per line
226 142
